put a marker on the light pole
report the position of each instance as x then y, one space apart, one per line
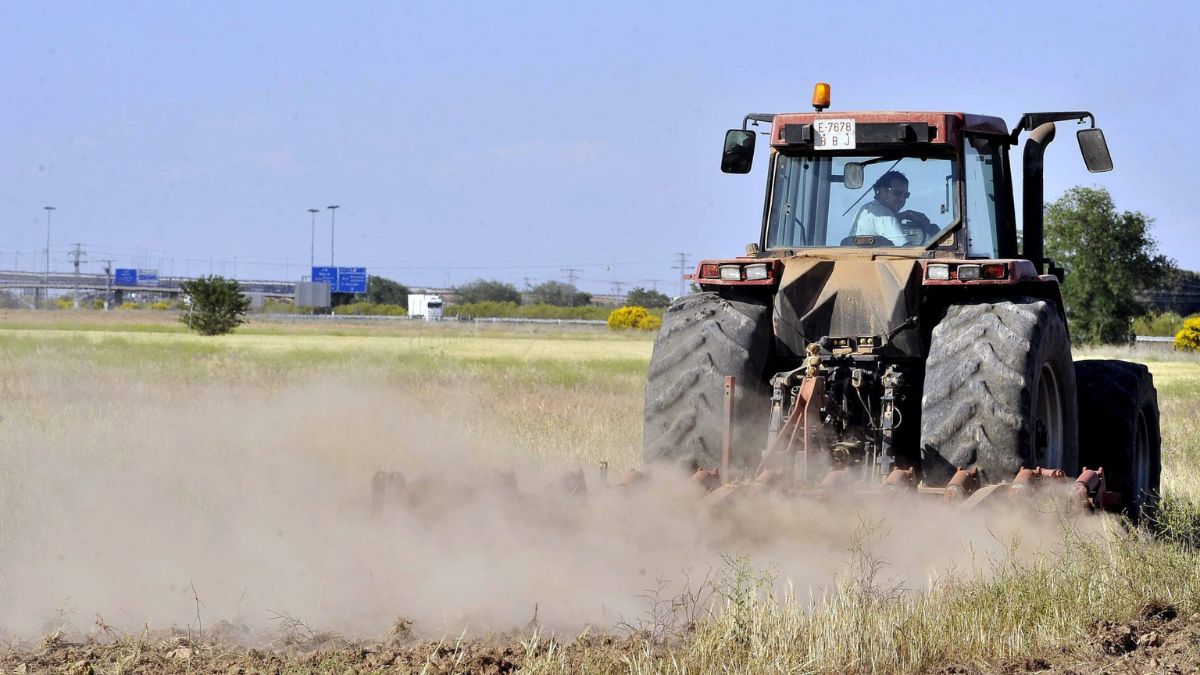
312 248
46 277
332 224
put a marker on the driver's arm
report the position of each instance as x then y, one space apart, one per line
915 216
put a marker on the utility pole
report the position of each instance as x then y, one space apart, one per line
312 249
617 285
46 277
107 282
76 253
682 267
332 223
653 284
571 274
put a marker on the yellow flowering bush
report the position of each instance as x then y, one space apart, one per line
633 317
1188 338
650 323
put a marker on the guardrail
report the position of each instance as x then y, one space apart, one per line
451 319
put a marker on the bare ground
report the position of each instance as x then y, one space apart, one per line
1158 642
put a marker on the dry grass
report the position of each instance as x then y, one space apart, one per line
567 398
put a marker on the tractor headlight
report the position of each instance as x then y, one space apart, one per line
969 272
757 271
731 272
937 272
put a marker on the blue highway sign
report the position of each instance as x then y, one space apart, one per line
124 277
342 279
351 280
326 274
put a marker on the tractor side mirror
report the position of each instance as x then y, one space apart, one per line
1095 150
739 151
852 175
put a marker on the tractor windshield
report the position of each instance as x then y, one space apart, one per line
870 200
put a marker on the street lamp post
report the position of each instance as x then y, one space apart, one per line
312 248
332 224
46 277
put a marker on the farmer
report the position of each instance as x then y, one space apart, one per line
881 217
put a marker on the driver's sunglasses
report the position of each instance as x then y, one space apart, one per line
899 191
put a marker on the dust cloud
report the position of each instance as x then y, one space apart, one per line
193 504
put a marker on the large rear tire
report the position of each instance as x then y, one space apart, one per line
1118 409
999 392
704 338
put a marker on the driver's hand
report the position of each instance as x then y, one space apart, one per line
915 216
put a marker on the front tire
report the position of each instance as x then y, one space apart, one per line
999 392
705 337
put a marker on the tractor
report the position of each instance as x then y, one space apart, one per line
895 327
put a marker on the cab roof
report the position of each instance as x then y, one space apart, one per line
791 129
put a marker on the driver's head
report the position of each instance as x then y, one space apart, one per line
891 190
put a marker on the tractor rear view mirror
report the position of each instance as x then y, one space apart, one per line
1095 150
852 175
739 151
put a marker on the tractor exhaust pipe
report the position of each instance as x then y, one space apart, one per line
1033 189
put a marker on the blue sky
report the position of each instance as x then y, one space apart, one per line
515 140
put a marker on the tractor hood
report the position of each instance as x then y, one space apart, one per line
847 298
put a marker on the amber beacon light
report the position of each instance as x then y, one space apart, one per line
821 96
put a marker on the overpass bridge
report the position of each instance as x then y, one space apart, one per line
40 285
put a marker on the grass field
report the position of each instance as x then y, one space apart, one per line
145 459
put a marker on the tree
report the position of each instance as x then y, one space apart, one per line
482 290
215 305
381 291
1109 257
560 294
641 297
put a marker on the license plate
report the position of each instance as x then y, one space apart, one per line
834 134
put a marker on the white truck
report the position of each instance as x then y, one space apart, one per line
425 306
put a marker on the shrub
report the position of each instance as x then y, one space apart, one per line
215 305
1188 338
634 317
650 323
281 307
1158 323
643 298
513 310
560 294
482 290
161 305
370 309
